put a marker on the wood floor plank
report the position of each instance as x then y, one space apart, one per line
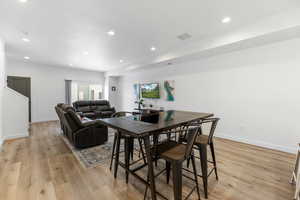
42 167
10 181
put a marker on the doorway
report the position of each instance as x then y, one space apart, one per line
21 85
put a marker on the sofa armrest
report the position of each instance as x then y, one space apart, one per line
90 136
112 109
92 123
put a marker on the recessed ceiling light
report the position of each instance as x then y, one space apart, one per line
25 40
153 48
121 61
71 64
26 57
86 53
111 33
226 20
23 1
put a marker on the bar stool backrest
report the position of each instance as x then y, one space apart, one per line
191 136
213 122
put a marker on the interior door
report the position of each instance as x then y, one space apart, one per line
21 85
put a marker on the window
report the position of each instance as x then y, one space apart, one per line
85 91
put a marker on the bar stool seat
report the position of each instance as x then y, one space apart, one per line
176 153
162 147
202 139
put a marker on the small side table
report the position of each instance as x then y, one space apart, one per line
296 175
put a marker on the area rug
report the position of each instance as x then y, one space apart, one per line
94 156
98 155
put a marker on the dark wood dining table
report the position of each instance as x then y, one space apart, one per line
138 127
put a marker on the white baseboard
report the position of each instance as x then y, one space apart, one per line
43 121
259 143
15 136
1 143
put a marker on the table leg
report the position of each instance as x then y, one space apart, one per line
131 147
113 151
155 142
177 180
141 150
118 135
150 166
127 156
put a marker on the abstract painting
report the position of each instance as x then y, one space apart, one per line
169 90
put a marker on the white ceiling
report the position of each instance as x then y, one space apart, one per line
61 30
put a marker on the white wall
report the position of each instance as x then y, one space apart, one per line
48 85
255 92
114 96
2 84
15 122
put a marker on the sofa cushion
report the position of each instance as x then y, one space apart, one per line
97 111
84 109
75 117
66 107
102 107
100 102
82 103
73 122
88 114
111 109
93 107
107 113
60 105
98 114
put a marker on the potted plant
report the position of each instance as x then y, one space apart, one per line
140 103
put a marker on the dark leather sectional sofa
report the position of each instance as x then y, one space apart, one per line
80 134
94 109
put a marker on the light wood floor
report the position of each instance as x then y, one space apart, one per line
42 167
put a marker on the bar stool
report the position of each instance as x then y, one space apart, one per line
175 154
296 176
201 144
129 147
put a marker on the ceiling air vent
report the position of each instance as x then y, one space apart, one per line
184 36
